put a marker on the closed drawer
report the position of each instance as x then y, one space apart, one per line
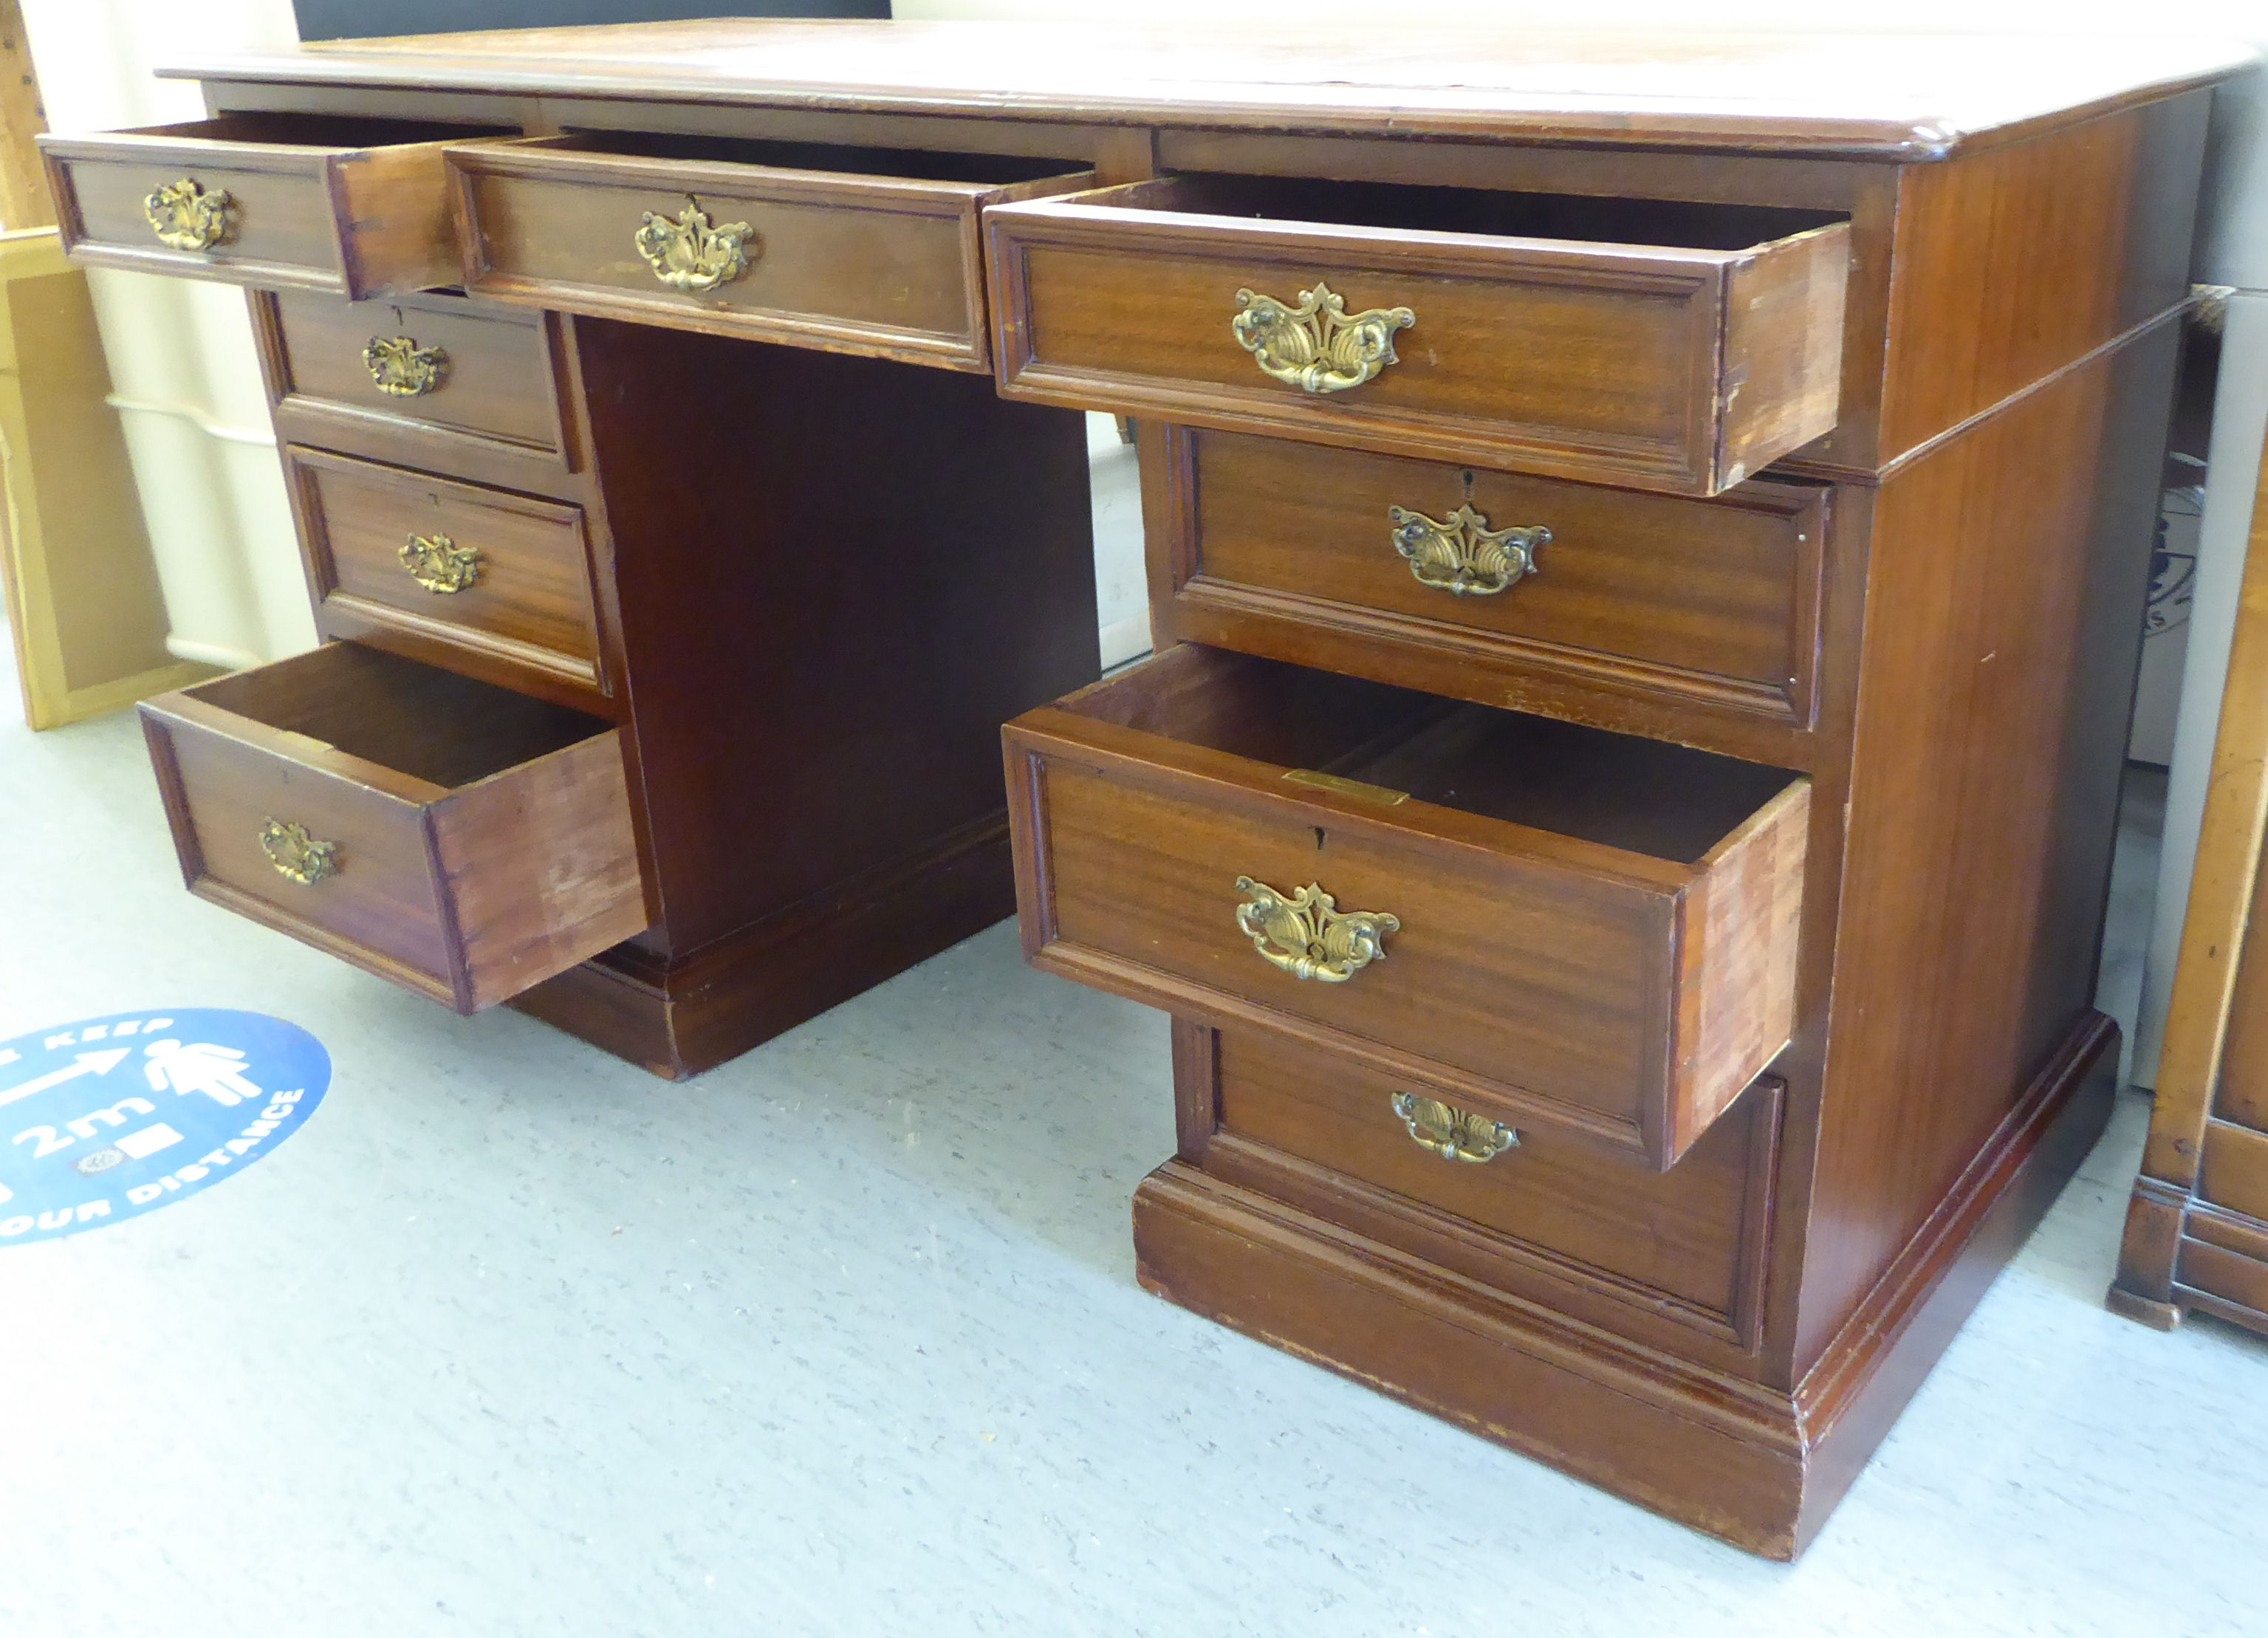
482 571
464 841
352 206
1670 346
1541 1207
1486 579
427 365
1542 922
849 249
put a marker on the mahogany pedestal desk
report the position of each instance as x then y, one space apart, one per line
1647 539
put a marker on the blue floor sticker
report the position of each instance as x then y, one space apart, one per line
110 1117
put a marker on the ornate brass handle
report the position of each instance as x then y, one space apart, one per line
296 855
185 216
439 564
691 253
1316 346
1460 555
1308 935
400 368
1452 1134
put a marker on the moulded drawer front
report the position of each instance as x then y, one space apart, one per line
1683 1241
887 266
491 849
506 576
1715 600
351 207
430 361
1598 992
384 902
1677 370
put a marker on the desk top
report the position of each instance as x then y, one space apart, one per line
1898 97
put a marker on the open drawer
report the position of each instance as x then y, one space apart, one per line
350 205
1532 921
464 841
860 250
1663 344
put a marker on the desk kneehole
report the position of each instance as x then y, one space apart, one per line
462 840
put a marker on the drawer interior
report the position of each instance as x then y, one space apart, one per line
988 170
1667 801
343 131
1397 207
415 718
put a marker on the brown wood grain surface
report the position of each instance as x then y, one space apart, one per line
495 375
853 257
1555 1204
352 206
1890 96
1565 335
1536 971
1717 602
482 839
533 605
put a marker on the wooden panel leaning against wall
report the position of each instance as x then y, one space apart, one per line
2197 1227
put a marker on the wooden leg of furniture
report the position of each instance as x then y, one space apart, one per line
1757 1465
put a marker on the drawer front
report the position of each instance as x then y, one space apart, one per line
429 363
887 267
382 903
1507 576
1598 992
1688 1242
504 576
352 207
459 839
1683 371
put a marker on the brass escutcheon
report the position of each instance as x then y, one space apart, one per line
185 216
1316 346
296 855
1452 1134
691 253
400 368
1308 935
439 564
1460 555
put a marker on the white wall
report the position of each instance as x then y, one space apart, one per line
182 368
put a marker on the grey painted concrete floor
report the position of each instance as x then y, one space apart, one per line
844 1338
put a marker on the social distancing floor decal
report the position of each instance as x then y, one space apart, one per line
110 1118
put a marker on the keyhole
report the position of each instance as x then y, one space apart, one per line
1319 838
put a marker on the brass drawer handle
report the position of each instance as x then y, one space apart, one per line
1460 555
1308 935
1452 1134
1316 346
691 253
185 216
400 368
439 564
297 854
